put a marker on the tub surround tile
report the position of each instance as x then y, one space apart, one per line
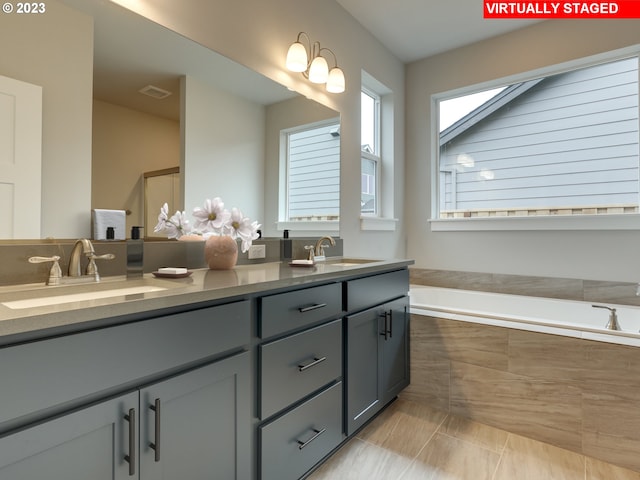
623 293
611 292
612 426
545 356
538 286
463 341
546 411
526 459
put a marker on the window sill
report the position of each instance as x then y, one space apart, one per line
582 222
308 227
378 224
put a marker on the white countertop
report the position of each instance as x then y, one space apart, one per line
18 324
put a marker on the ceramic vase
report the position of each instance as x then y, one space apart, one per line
221 253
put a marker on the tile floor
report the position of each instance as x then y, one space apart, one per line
410 441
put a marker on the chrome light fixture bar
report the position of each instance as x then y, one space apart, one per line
317 69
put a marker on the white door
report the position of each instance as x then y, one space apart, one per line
20 158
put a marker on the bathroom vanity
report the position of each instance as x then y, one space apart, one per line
260 372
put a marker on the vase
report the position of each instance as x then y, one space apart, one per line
221 253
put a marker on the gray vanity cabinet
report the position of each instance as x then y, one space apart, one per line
195 430
197 425
86 444
164 398
300 380
377 364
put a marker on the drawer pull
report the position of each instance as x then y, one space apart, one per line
317 433
316 361
131 458
311 307
155 445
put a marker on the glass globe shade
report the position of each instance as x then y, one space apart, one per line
319 70
297 57
335 82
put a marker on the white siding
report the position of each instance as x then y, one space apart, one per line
571 140
314 173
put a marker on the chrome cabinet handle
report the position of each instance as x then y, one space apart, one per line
155 445
316 361
312 307
131 458
317 433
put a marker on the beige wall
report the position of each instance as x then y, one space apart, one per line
597 255
223 149
55 50
127 143
260 41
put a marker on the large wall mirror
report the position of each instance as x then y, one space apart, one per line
160 101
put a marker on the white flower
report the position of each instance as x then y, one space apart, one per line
211 218
173 227
241 227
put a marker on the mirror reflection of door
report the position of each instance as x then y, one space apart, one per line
160 187
20 158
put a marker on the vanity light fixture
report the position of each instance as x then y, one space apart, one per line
317 69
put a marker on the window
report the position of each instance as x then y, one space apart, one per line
560 145
370 143
313 172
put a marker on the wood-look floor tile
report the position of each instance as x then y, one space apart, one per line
449 458
476 433
406 429
526 459
597 470
359 460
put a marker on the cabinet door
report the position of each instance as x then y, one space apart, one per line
364 362
87 444
395 349
196 426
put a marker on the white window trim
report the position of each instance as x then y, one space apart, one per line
384 195
308 227
549 222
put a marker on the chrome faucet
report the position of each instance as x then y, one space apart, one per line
319 248
612 324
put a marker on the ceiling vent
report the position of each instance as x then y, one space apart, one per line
155 92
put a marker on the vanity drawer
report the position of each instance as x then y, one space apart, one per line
366 292
295 442
59 373
298 365
291 310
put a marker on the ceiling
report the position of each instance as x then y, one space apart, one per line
416 29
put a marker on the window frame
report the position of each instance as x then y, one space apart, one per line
629 221
376 156
284 223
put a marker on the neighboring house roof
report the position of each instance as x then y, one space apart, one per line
486 109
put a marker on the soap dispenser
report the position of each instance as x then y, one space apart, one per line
135 251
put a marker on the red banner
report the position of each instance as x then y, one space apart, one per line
561 9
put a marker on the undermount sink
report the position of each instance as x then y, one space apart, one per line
80 297
348 262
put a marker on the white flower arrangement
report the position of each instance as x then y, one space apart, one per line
212 219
